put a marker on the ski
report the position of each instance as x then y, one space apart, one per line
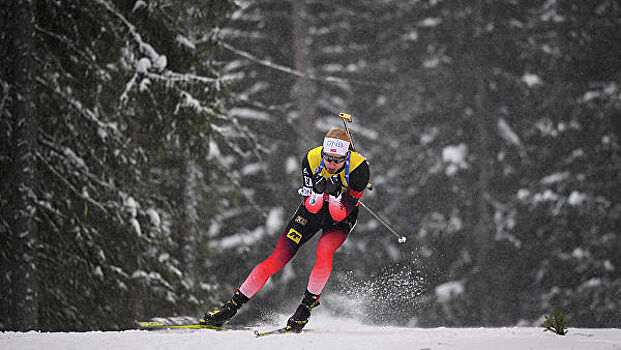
150 325
284 330
183 323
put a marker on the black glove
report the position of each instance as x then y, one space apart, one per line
333 186
319 183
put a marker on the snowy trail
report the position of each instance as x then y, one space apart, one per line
324 333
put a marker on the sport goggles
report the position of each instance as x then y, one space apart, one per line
329 158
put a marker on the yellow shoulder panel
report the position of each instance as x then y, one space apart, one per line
314 158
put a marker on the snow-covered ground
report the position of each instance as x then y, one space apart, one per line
324 333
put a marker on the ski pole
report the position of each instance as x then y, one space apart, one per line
347 117
401 239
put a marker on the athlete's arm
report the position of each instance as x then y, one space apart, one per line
358 180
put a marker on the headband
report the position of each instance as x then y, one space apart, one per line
331 145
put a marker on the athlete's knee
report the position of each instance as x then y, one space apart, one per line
282 254
331 241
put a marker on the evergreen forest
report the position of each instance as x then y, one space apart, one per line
150 157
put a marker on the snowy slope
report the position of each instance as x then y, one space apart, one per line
324 333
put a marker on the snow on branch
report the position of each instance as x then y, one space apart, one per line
153 63
144 47
69 185
5 95
167 77
84 54
90 115
223 134
48 206
82 166
508 133
170 76
77 105
256 147
297 73
124 96
188 101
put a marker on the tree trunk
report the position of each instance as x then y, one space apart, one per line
484 226
304 89
494 283
483 278
188 222
307 138
23 309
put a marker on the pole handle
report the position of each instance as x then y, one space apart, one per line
345 116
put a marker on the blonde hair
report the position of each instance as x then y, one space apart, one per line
337 133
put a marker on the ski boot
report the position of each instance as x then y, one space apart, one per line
224 313
301 315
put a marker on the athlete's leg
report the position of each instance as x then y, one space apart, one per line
300 229
328 244
282 254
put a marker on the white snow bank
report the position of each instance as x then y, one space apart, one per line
324 333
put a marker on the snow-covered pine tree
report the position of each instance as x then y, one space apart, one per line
18 224
121 90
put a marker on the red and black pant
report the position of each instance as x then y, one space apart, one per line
302 227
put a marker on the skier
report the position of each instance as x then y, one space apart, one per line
334 178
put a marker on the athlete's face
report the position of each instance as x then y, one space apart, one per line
333 162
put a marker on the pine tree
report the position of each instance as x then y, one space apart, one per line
115 90
20 224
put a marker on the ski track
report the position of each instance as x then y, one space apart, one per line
323 333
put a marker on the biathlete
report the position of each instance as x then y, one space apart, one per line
334 179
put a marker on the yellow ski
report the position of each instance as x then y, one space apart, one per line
155 325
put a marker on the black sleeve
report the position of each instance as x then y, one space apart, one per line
359 178
305 164
307 182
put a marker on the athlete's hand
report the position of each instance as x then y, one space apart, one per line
333 186
319 183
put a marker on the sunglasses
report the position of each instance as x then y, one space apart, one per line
337 160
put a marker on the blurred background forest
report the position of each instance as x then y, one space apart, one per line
150 157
